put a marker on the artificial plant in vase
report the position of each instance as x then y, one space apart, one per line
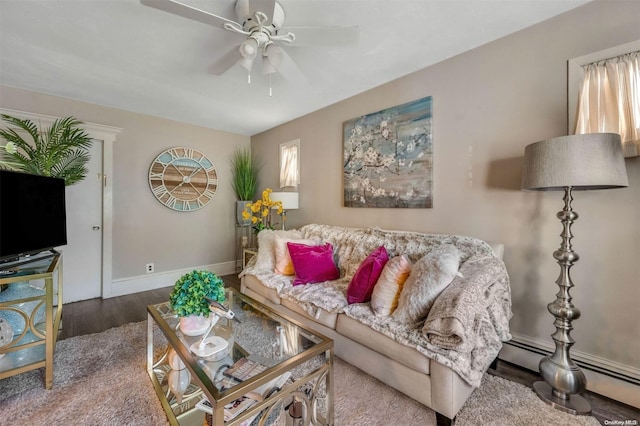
60 151
244 173
259 213
189 300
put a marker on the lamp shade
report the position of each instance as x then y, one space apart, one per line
582 162
289 199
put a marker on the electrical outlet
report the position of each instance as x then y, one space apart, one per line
149 268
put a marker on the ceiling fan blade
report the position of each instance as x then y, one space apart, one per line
323 36
278 59
228 60
189 12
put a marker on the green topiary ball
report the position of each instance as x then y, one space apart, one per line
190 293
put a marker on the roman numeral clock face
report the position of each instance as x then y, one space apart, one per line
183 179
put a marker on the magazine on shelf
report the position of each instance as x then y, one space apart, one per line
244 368
231 410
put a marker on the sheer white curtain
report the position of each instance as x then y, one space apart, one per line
289 173
609 100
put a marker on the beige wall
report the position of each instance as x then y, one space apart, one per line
144 231
489 104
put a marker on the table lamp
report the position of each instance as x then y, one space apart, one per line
568 163
289 202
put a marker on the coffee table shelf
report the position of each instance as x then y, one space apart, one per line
280 344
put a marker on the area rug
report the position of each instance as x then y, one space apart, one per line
100 379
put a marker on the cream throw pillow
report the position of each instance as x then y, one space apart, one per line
265 259
283 263
429 276
386 293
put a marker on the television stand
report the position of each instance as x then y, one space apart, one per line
34 347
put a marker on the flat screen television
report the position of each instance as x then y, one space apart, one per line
32 214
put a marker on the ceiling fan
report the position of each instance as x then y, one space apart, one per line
261 22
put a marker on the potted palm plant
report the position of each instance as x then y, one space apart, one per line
60 151
244 172
190 297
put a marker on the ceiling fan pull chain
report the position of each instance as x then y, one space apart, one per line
249 78
270 91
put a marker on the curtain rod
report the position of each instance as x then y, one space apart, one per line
611 58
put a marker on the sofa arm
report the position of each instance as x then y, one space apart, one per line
448 391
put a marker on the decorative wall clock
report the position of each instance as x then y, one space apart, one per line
183 179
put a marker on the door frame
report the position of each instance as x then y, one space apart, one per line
107 134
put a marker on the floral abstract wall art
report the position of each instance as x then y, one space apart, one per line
388 157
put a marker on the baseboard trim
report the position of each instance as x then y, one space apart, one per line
137 284
613 380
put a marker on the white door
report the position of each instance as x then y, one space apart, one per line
82 256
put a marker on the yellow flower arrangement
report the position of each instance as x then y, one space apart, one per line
260 211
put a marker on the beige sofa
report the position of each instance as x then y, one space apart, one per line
439 368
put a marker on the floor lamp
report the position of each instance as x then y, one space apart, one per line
289 202
568 163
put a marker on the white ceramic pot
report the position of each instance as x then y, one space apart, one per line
194 325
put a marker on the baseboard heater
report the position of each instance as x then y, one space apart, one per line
581 363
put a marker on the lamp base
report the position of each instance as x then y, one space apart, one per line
576 404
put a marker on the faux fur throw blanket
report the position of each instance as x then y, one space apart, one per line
470 303
468 322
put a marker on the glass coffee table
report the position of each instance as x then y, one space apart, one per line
271 367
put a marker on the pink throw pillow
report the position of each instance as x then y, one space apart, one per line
313 264
366 277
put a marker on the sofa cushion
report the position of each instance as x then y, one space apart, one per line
254 284
363 334
366 277
351 245
386 293
283 264
265 259
429 276
329 296
328 319
313 264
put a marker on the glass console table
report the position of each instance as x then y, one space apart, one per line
298 360
30 314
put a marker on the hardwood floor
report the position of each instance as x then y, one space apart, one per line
603 408
97 315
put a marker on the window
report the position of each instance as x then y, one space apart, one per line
290 163
608 94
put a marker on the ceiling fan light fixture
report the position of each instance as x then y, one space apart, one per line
249 48
247 63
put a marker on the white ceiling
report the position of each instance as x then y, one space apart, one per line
122 54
